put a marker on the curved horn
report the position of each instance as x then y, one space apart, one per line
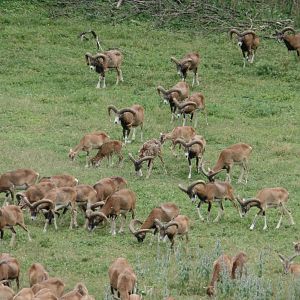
124 110
241 202
232 31
285 29
180 141
135 232
98 214
158 223
25 199
87 56
160 89
144 158
249 32
173 90
38 203
97 204
20 196
187 103
132 224
188 60
112 108
193 184
247 201
171 223
173 59
281 257
102 56
132 158
190 144
209 176
182 188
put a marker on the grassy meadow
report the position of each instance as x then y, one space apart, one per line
49 101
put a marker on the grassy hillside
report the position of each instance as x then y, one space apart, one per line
49 101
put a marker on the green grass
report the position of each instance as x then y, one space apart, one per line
49 101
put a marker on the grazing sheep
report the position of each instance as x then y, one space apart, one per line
37 274
208 193
164 213
108 149
226 266
89 142
148 152
119 203
179 92
122 278
177 226
10 216
18 179
9 269
265 198
55 285
237 154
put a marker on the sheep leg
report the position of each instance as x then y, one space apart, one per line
103 78
265 219
98 86
208 211
242 166
196 120
163 163
254 220
289 214
121 158
245 59
133 134
1 234
228 178
220 212
196 75
198 211
87 159
46 225
123 221
280 219
190 169
13 237
142 138
150 166
113 225
73 222
184 119
25 228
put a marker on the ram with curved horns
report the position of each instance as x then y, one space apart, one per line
193 149
55 200
191 106
248 41
177 226
292 41
208 193
164 213
179 92
148 152
119 203
189 62
129 118
102 62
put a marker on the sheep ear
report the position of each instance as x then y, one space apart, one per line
294 243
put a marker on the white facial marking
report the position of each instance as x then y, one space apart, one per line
240 44
140 173
166 101
117 120
92 68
